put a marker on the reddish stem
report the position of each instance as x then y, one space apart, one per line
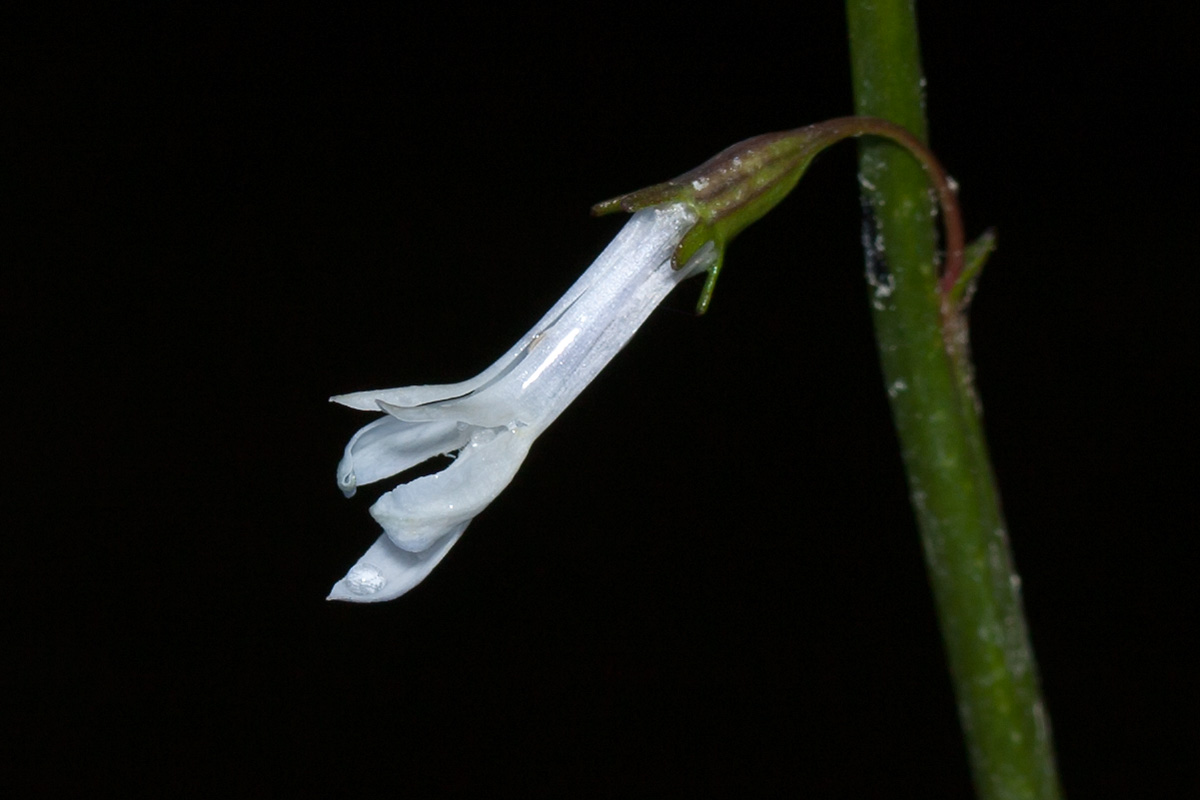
947 198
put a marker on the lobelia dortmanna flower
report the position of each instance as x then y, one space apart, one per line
492 419
680 228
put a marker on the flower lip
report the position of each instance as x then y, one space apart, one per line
388 446
385 571
415 514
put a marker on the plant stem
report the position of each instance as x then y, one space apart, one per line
922 342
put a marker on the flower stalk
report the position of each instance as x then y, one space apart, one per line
921 330
739 185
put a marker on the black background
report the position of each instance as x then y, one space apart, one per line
706 577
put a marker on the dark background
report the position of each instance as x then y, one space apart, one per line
706 577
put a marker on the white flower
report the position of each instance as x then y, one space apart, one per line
492 419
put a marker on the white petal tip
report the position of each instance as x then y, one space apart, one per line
361 583
385 571
360 401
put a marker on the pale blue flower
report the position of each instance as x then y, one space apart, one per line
492 420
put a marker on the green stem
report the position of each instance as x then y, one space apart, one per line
922 339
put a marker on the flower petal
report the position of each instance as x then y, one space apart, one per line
649 238
389 446
411 396
488 409
595 328
416 514
385 571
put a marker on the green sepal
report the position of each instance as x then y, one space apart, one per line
710 282
733 189
975 255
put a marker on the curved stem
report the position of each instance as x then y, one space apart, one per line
942 184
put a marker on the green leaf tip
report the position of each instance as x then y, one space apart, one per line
975 255
739 185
